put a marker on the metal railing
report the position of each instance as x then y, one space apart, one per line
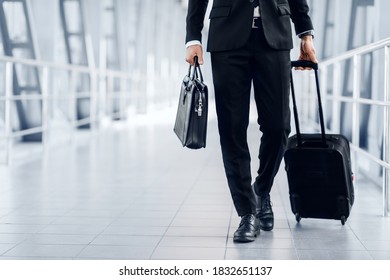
336 99
112 95
101 95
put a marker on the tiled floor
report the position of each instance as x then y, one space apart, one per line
133 192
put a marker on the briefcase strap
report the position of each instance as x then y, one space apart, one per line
314 66
194 71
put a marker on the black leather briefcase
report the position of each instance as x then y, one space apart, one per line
191 118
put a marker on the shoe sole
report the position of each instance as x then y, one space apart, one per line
266 228
246 239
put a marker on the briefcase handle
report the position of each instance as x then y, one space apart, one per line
314 66
194 70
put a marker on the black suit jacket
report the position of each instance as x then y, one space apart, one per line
231 22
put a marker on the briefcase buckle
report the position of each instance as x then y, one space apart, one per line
255 22
199 108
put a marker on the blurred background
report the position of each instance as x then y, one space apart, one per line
72 65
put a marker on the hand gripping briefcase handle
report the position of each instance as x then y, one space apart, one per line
197 73
314 66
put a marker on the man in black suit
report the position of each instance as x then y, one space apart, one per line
250 42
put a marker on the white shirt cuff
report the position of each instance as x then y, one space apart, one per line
311 32
193 43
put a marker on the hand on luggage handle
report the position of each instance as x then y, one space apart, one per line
314 66
197 72
304 64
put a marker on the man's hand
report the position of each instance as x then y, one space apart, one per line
307 51
192 51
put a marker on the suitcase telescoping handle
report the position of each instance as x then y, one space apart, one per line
304 63
314 66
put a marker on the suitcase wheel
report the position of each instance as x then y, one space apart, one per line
297 217
343 220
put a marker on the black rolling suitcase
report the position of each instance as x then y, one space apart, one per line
318 168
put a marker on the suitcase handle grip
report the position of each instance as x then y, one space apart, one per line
304 64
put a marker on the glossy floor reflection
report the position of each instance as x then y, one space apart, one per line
132 192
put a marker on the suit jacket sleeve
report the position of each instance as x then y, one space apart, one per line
300 16
195 18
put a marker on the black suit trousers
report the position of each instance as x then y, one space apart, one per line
234 72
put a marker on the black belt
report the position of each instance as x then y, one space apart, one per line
256 22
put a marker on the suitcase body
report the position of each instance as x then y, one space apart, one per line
320 177
318 168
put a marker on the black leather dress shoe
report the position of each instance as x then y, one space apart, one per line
265 213
248 229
